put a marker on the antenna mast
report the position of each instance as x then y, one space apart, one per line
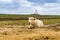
36 12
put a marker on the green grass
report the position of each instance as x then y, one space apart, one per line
25 16
25 22
14 22
23 19
51 21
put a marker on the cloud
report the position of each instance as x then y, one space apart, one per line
46 8
27 7
51 9
25 3
6 1
43 1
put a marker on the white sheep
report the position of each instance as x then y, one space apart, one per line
35 22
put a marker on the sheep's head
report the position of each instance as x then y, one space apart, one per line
30 19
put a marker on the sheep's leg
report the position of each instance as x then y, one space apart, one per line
30 25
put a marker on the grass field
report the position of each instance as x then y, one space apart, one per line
25 22
11 29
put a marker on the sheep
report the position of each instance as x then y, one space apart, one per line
35 22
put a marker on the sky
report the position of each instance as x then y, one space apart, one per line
44 7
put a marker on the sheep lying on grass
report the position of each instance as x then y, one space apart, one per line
35 22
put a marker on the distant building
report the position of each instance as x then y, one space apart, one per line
36 12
